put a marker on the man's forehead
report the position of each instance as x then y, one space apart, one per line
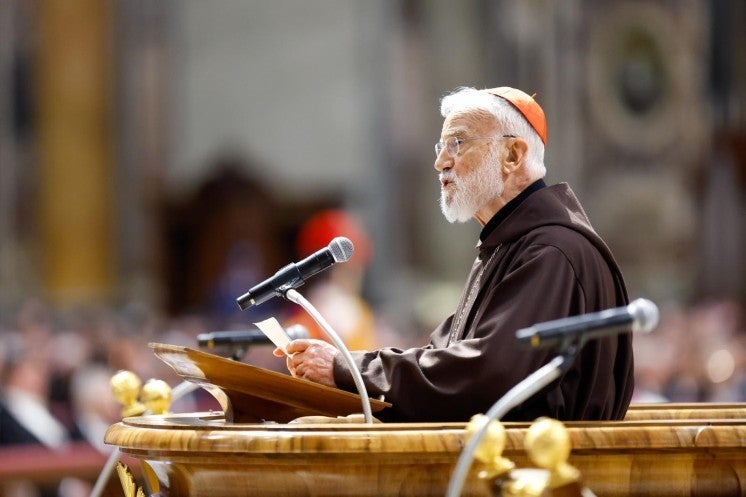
467 122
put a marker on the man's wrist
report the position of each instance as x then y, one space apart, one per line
341 372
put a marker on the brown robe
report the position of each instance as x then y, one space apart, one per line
542 262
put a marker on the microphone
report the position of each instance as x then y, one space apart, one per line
640 316
295 274
214 339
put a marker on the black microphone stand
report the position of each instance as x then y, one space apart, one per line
521 392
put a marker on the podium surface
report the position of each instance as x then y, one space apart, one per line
201 454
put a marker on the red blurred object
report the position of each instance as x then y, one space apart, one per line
324 226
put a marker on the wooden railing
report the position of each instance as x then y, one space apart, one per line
44 467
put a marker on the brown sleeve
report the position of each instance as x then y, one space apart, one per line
451 384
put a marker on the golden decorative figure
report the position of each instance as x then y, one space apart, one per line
156 396
548 446
128 482
125 386
490 449
151 479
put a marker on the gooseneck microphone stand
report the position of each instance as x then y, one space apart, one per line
532 384
294 296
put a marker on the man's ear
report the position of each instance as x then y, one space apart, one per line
516 155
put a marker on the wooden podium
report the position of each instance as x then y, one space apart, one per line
661 450
249 394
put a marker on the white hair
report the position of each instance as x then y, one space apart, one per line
510 120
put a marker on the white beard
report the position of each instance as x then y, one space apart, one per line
467 194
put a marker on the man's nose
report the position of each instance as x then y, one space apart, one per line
443 161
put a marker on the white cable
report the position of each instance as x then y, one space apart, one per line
103 477
293 296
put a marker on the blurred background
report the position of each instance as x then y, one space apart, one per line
159 157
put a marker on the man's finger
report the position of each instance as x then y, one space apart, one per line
296 346
296 359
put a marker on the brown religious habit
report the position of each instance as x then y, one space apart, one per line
542 262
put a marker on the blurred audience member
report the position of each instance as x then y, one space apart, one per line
25 417
93 406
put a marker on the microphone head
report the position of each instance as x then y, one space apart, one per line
341 249
645 315
297 331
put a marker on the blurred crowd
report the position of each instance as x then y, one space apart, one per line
55 371
696 354
56 367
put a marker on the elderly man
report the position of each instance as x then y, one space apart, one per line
538 259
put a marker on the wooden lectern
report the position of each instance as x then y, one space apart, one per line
661 450
249 394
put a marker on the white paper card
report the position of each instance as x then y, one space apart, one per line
271 327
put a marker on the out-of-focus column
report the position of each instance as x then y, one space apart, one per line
75 150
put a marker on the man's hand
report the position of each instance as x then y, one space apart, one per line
310 359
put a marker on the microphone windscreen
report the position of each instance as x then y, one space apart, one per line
341 249
645 315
